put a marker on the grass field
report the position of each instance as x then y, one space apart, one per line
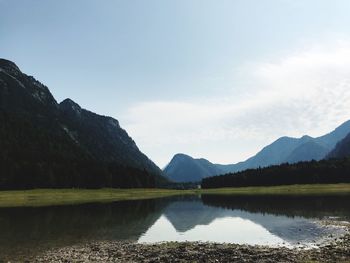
305 189
46 197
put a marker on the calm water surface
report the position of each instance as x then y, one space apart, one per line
274 220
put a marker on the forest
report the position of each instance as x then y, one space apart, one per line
34 156
313 172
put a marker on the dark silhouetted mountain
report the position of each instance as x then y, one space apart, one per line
103 137
342 149
184 168
46 144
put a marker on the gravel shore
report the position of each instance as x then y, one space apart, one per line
337 251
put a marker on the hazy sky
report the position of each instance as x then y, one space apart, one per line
211 78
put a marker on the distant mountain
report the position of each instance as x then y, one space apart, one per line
46 144
292 150
342 149
184 168
308 151
275 153
283 150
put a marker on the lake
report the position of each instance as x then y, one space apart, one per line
256 220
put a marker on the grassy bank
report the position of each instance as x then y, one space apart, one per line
46 197
305 189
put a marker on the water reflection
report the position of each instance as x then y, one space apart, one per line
226 229
247 219
27 231
244 219
315 206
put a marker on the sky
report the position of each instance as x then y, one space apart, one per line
212 79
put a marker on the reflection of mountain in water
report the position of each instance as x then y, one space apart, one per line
185 214
29 230
284 216
291 230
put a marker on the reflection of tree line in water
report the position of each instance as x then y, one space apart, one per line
31 229
304 206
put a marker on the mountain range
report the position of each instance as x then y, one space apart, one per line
184 168
44 143
48 144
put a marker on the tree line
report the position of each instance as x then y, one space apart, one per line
313 172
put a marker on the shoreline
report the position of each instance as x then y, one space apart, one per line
337 250
196 252
59 197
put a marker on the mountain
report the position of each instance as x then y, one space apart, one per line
46 144
113 144
275 153
184 168
283 150
292 150
308 151
342 149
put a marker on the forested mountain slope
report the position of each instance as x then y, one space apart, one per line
46 144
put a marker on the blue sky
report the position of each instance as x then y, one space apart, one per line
213 79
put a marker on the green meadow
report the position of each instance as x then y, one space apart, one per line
49 197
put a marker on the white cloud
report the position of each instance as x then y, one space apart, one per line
306 92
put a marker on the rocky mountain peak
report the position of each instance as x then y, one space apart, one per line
181 156
69 105
8 66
